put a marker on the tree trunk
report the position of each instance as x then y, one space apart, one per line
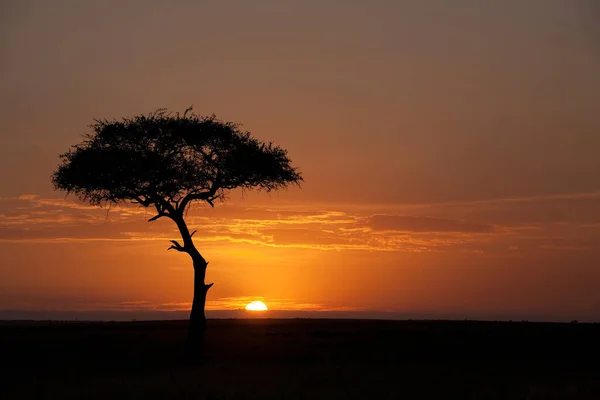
197 325
197 317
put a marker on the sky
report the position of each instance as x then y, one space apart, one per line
449 152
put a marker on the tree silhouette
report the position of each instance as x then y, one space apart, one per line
167 161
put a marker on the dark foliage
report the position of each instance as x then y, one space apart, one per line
168 160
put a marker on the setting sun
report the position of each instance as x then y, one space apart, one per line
256 306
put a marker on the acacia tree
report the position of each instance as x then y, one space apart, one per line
166 162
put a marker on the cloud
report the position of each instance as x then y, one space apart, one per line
462 228
526 199
425 224
28 197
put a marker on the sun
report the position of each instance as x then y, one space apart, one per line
256 306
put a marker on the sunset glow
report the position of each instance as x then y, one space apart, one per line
256 306
447 174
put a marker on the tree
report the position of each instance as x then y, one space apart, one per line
166 161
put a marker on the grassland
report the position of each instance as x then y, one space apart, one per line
301 359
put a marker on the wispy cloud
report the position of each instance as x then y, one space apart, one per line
471 227
404 223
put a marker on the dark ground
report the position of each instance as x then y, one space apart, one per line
302 359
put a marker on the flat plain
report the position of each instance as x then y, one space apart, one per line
301 359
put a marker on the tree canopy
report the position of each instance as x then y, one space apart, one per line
168 160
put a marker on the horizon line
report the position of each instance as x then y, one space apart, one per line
175 315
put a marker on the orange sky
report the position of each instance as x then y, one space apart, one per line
449 151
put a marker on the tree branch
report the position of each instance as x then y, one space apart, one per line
166 206
177 246
159 210
157 216
143 201
209 196
192 235
177 203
